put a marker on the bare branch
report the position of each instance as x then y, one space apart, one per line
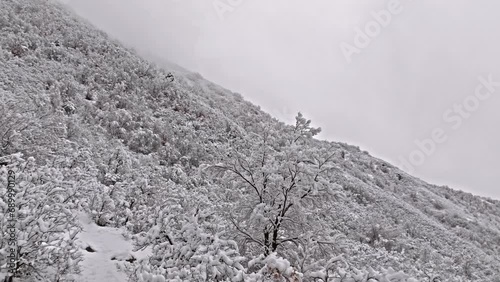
245 233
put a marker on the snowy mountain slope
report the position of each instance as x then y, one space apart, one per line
107 133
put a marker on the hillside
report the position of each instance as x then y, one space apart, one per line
212 187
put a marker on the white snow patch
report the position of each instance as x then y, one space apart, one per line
107 243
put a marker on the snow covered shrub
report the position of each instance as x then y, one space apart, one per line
16 44
102 204
12 124
110 205
44 227
144 141
191 249
107 187
274 269
338 270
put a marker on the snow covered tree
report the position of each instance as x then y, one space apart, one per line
272 185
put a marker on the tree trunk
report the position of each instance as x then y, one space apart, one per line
266 242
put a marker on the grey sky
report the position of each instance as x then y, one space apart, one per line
285 56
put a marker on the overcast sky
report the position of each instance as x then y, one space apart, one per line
417 76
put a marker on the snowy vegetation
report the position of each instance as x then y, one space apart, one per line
217 189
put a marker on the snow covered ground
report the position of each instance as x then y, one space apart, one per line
107 247
102 248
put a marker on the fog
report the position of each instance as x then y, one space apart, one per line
426 72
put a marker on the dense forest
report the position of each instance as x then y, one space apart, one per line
215 188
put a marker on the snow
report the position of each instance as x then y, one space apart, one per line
108 243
